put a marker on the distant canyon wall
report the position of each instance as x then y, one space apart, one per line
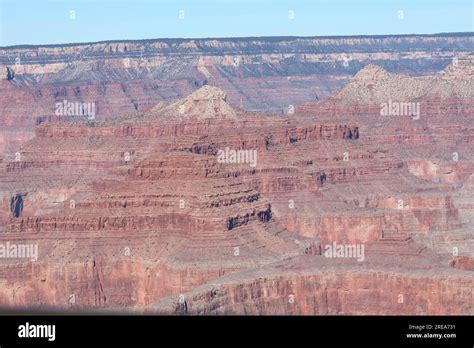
130 77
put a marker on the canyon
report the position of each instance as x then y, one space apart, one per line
133 211
258 74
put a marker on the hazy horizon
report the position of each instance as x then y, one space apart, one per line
282 37
59 22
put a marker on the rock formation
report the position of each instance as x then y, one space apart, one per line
130 77
196 206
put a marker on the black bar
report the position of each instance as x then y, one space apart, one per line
136 331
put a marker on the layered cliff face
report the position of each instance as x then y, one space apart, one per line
196 206
313 286
426 122
151 191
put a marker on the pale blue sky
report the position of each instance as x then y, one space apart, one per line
50 22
